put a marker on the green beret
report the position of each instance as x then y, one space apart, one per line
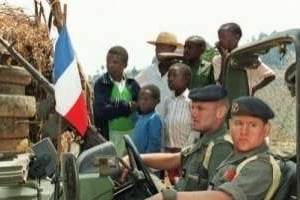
208 93
251 106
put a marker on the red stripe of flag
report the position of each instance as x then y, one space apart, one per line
77 115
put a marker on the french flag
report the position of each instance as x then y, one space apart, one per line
70 101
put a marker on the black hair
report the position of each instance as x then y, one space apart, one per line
120 51
154 90
232 27
186 70
197 39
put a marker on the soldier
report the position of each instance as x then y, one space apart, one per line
250 172
199 161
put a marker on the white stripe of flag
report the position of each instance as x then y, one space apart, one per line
70 101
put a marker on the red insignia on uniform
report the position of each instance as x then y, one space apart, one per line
229 174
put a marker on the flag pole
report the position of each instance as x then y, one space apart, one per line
59 21
57 171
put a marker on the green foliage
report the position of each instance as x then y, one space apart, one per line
209 54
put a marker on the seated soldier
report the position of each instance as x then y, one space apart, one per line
200 160
248 173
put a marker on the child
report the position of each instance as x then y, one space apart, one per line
148 128
177 113
115 99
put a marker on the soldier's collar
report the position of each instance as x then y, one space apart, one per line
242 155
210 136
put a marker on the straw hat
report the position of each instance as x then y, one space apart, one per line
178 53
166 38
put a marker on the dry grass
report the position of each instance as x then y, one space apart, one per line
283 134
29 36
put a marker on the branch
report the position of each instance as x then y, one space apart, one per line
57 13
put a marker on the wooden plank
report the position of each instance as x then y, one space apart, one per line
17 106
11 128
14 145
8 88
14 74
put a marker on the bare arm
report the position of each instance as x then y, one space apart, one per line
263 83
155 160
162 160
199 195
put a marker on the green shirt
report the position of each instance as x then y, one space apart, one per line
197 174
254 179
121 123
202 74
236 83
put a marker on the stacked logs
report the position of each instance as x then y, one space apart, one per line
29 37
15 109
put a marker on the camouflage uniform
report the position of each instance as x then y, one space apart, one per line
199 161
253 181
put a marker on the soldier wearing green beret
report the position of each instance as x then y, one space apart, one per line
250 172
200 160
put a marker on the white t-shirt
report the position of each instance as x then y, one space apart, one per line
151 75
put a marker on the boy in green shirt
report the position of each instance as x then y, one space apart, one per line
115 99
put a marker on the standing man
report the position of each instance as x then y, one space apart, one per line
250 172
229 35
202 71
156 73
115 99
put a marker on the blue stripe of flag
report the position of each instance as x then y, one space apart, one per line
63 55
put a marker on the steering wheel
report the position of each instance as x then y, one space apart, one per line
136 162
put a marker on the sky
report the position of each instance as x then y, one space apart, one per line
95 26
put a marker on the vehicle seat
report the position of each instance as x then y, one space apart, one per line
86 160
288 185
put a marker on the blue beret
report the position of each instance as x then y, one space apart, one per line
208 93
251 106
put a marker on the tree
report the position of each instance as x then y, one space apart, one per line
209 54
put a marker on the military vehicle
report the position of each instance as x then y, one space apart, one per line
94 173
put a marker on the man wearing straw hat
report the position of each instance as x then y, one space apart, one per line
156 73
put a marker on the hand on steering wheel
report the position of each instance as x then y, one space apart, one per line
136 163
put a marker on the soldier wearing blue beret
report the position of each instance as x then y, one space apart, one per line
209 93
251 106
250 172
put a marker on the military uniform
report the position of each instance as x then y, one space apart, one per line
254 174
253 180
251 175
202 74
199 161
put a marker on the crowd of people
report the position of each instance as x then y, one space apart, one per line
183 122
